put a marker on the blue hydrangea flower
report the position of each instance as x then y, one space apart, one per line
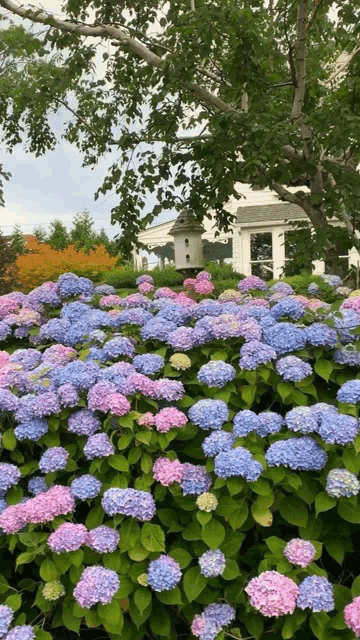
321 335
313 288
21 632
82 375
157 329
21 332
303 419
9 475
74 311
237 462
293 368
55 329
163 574
216 442
195 479
315 593
175 313
219 615
37 485
3 506
5 331
346 324
69 285
135 316
85 487
33 430
148 364
54 459
25 410
341 482
84 423
182 339
96 353
255 353
284 337
212 563
129 502
207 308
349 392
333 281
269 422
302 454
97 335
347 355
244 422
320 409
282 287
209 414
6 616
105 290
338 428
216 373
119 346
288 307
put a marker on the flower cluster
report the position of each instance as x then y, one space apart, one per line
300 552
163 574
96 584
273 594
129 502
213 619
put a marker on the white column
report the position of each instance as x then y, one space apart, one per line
278 242
354 256
236 250
319 267
246 255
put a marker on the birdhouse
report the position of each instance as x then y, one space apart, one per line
188 250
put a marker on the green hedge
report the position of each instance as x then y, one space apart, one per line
301 283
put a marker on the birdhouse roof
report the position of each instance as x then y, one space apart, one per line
186 222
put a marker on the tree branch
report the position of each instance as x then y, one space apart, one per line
341 67
116 33
298 102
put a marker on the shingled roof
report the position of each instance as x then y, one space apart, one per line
270 212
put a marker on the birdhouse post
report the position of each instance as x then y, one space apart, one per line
187 232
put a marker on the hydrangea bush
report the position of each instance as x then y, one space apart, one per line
175 465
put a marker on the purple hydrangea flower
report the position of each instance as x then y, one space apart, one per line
315 593
37 485
85 487
237 462
157 329
9 475
98 446
195 479
103 539
163 574
68 395
251 282
182 339
84 423
82 375
67 537
293 368
209 414
96 585
169 390
8 401
104 290
131 316
6 616
300 552
21 632
255 353
212 563
216 373
129 502
28 358
54 459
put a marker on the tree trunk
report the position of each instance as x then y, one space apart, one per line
333 263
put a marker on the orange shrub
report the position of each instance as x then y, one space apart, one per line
43 263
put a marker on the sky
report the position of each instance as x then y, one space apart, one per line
56 185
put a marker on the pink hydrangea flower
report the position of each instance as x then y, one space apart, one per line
251 282
110 301
298 551
67 537
189 283
185 300
8 306
203 287
146 287
168 418
258 302
165 292
118 404
273 594
146 420
43 508
198 625
168 471
352 615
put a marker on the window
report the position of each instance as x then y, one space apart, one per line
261 255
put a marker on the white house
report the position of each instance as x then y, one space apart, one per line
256 244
